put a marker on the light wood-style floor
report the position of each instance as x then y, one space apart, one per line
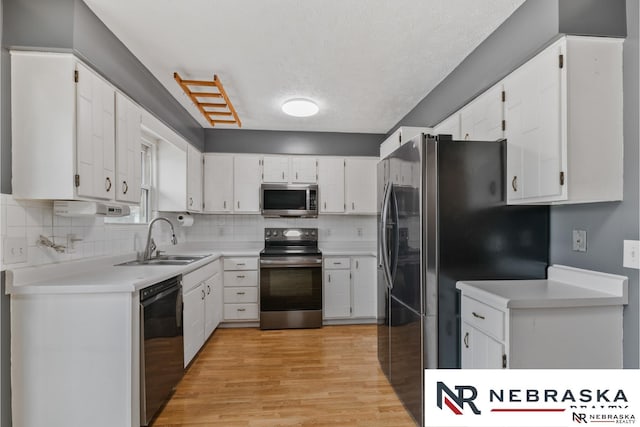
296 377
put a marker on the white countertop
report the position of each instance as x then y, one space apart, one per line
565 287
102 275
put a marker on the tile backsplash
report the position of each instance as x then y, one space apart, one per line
91 237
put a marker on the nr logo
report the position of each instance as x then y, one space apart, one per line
579 418
455 401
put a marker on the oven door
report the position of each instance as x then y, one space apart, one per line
290 283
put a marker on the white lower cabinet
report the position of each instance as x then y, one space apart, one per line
349 288
540 338
241 289
202 312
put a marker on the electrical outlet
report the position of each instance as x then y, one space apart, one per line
631 257
15 250
580 240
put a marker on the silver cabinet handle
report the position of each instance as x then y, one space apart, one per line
241 263
282 175
208 289
296 175
240 293
466 340
329 278
225 204
357 265
353 206
203 294
337 263
107 184
240 276
190 201
238 204
242 309
325 205
478 316
514 183
125 187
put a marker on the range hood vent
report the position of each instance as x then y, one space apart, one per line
80 208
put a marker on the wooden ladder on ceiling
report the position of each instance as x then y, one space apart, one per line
221 111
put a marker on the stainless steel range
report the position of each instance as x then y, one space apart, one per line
290 279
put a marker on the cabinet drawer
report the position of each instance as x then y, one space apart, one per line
240 295
483 317
241 263
241 312
240 278
337 263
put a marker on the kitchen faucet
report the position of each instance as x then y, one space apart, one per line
151 244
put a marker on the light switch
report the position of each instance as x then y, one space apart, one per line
631 257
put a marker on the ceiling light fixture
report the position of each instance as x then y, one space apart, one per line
300 107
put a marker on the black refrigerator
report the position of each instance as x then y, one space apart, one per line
443 217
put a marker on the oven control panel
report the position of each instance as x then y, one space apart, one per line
290 234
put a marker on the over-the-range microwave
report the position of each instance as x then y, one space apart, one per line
291 200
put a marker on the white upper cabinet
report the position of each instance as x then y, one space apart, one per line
63 132
194 179
360 185
563 118
275 169
304 170
218 183
449 126
481 119
247 172
128 150
95 145
172 177
331 184
399 137
294 170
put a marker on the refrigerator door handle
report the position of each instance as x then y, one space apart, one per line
393 265
383 235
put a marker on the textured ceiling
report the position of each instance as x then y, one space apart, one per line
366 63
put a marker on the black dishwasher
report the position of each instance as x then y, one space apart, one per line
161 345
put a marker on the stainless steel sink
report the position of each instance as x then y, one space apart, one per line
165 260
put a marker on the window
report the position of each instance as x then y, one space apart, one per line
141 214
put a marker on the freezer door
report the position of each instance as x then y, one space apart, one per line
406 357
383 285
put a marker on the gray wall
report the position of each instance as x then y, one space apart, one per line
534 25
608 224
69 25
283 142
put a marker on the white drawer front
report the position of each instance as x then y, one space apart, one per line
240 295
241 312
486 318
240 278
334 263
241 263
193 279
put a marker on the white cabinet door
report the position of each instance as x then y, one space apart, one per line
479 350
337 294
360 185
304 170
365 291
449 126
481 120
533 114
194 179
246 181
193 318
218 183
128 149
331 184
275 169
95 148
212 304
